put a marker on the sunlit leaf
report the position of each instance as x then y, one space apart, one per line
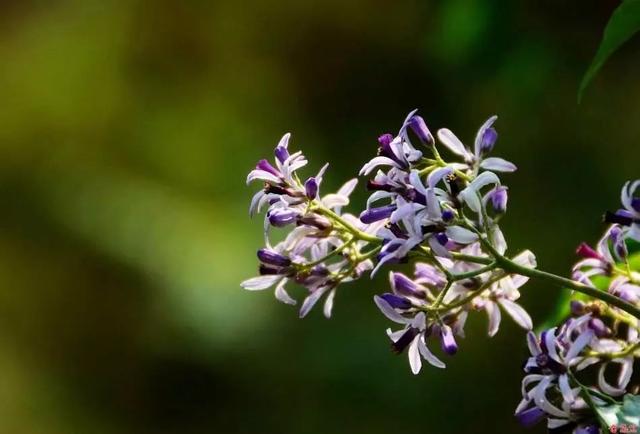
623 24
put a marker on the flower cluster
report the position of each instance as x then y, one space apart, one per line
443 215
598 336
324 247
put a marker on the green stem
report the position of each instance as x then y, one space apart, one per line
563 282
348 226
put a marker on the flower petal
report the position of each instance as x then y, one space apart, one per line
260 282
454 144
517 312
498 164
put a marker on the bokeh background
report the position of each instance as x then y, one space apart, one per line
126 132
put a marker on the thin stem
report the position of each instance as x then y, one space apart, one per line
348 226
474 273
563 282
331 254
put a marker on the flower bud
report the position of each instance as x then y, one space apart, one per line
419 127
618 244
586 251
396 301
270 257
499 199
598 327
530 416
282 217
577 307
447 215
385 139
489 138
448 341
311 188
405 286
281 153
372 215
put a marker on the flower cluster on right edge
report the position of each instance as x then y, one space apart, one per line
599 343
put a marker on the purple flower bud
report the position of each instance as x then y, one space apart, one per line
311 188
267 167
499 199
635 204
270 257
587 252
577 307
281 153
617 242
530 417
396 301
419 127
403 285
282 217
488 140
620 217
598 327
372 215
447 215
448 341
385 139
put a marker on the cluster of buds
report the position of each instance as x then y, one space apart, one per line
598 337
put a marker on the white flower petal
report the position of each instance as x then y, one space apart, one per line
282 295
493 312
454 144
311 300
428 355
415 361
328 304
498 164
461 235
375 162
517 312
260 282
389 311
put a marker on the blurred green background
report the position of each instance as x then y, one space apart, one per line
126 132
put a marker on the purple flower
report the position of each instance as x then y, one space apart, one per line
630 215
447 340
419 127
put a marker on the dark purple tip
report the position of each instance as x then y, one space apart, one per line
447 215
499 199
586 251
281 153
419 127
448 341
311 188
404 340
530 417
635 204
282 217
385 139
403 285
270 257
372 215
489 138
266 270
267 167
396 301
620 217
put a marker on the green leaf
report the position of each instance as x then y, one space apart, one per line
623 24
626 413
